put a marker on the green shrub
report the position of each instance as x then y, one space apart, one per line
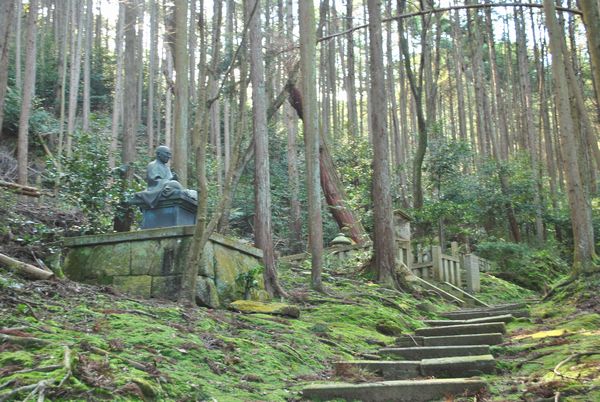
518 263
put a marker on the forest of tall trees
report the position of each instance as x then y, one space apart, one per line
296 119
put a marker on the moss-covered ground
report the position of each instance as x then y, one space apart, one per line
80 342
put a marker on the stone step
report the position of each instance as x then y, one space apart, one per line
432 352
458 366
389 370
450 340
468 315
446 367
496 307
496 318
396 391
484 328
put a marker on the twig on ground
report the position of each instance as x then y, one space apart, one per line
336 345
103 352
568 359
43 369
7 383
534 357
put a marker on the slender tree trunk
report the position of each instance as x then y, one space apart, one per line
583 235
384 245
89 29
262 182
168 73
152 67
295 221
181 137
458 74
28 93
7 11
311 136
528 121
117 106
213 88
351 75
200 141
416 87
18 68
76 23
591 20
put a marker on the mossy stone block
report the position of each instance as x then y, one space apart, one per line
206 292
76 262
207 268
228 266
146 257
171 260
256 307
166 287
108 260
140 285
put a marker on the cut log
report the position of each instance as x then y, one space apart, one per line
25 269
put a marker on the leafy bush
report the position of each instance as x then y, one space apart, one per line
86 181
520 264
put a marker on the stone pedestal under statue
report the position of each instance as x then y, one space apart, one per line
177 210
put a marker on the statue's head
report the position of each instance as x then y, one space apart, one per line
163 153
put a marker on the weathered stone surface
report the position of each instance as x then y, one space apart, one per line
206 293
76 263
409 341
476 339
458 366
484 328
146 258
396 391
163 253
251 306
166 287
389 370
433 352
229 267
208 267
506 318
140 285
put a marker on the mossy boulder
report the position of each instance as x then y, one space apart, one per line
256 307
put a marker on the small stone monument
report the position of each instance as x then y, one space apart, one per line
165 202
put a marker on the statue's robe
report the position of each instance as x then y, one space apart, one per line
160 184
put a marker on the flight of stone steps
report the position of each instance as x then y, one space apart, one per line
439 361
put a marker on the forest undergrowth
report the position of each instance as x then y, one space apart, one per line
71 341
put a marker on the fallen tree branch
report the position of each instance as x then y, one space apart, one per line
43 369
532 358
28 270
568 359
23 340
24 190
67 365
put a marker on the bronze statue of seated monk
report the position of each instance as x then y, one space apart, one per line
162 183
